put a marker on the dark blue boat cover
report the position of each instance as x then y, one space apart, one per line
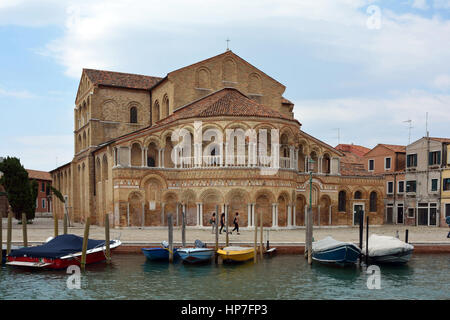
57 247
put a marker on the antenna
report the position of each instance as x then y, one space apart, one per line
426 125
228 40
409 127
338 135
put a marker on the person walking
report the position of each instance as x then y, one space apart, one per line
222 222
236 223
213 222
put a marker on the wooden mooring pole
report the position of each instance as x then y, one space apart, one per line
367 241
65 218
1 238
406 235
85 243
216 255
227 219
183 227
107 244
9 232
261 242
24 230
256 237
361 231
170 225
55 224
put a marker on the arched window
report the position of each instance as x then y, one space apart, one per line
373 201
358 195
342 200
133 115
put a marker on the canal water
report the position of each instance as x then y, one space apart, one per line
285 277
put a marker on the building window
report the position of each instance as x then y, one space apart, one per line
446 184
411 160
358 195
401 186
387 163
390 187
447 210
410 212
434 184
133 115
43 187
434 158
411 186
341 201
371 165
150 162
373 201
43 203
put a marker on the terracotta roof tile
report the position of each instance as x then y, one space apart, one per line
393 147
39 175
440 139
119 79
285 101
353 148
225 102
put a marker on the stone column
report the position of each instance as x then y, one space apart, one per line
162 157
144 157
294 213
318 215
329 215
177 212
143 214
249 214
289 216
319 168
128 214
129 156
274 214
200 223
116 214
306 163
163 207
291 157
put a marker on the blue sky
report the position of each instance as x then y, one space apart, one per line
339 70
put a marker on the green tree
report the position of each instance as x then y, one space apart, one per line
18 188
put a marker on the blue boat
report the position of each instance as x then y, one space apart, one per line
331 251
197 254
159 254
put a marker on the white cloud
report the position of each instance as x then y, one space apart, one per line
420 4
22 94
442 82
41 152
379 120
441 4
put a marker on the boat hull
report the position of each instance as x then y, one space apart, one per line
158 254
92 256
398 258
236 255
341 255
196 255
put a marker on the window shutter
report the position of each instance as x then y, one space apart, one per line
439 157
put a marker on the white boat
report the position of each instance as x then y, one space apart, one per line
386 249
197 254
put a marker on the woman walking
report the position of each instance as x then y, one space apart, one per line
236 224
222 222
213 222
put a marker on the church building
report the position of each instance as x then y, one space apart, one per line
218 132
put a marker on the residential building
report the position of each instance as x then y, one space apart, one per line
388 161
424 166
445 184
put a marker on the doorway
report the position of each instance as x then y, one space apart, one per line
356 208
400 213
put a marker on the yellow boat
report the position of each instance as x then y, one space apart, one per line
236 254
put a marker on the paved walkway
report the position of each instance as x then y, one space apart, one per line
42 228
